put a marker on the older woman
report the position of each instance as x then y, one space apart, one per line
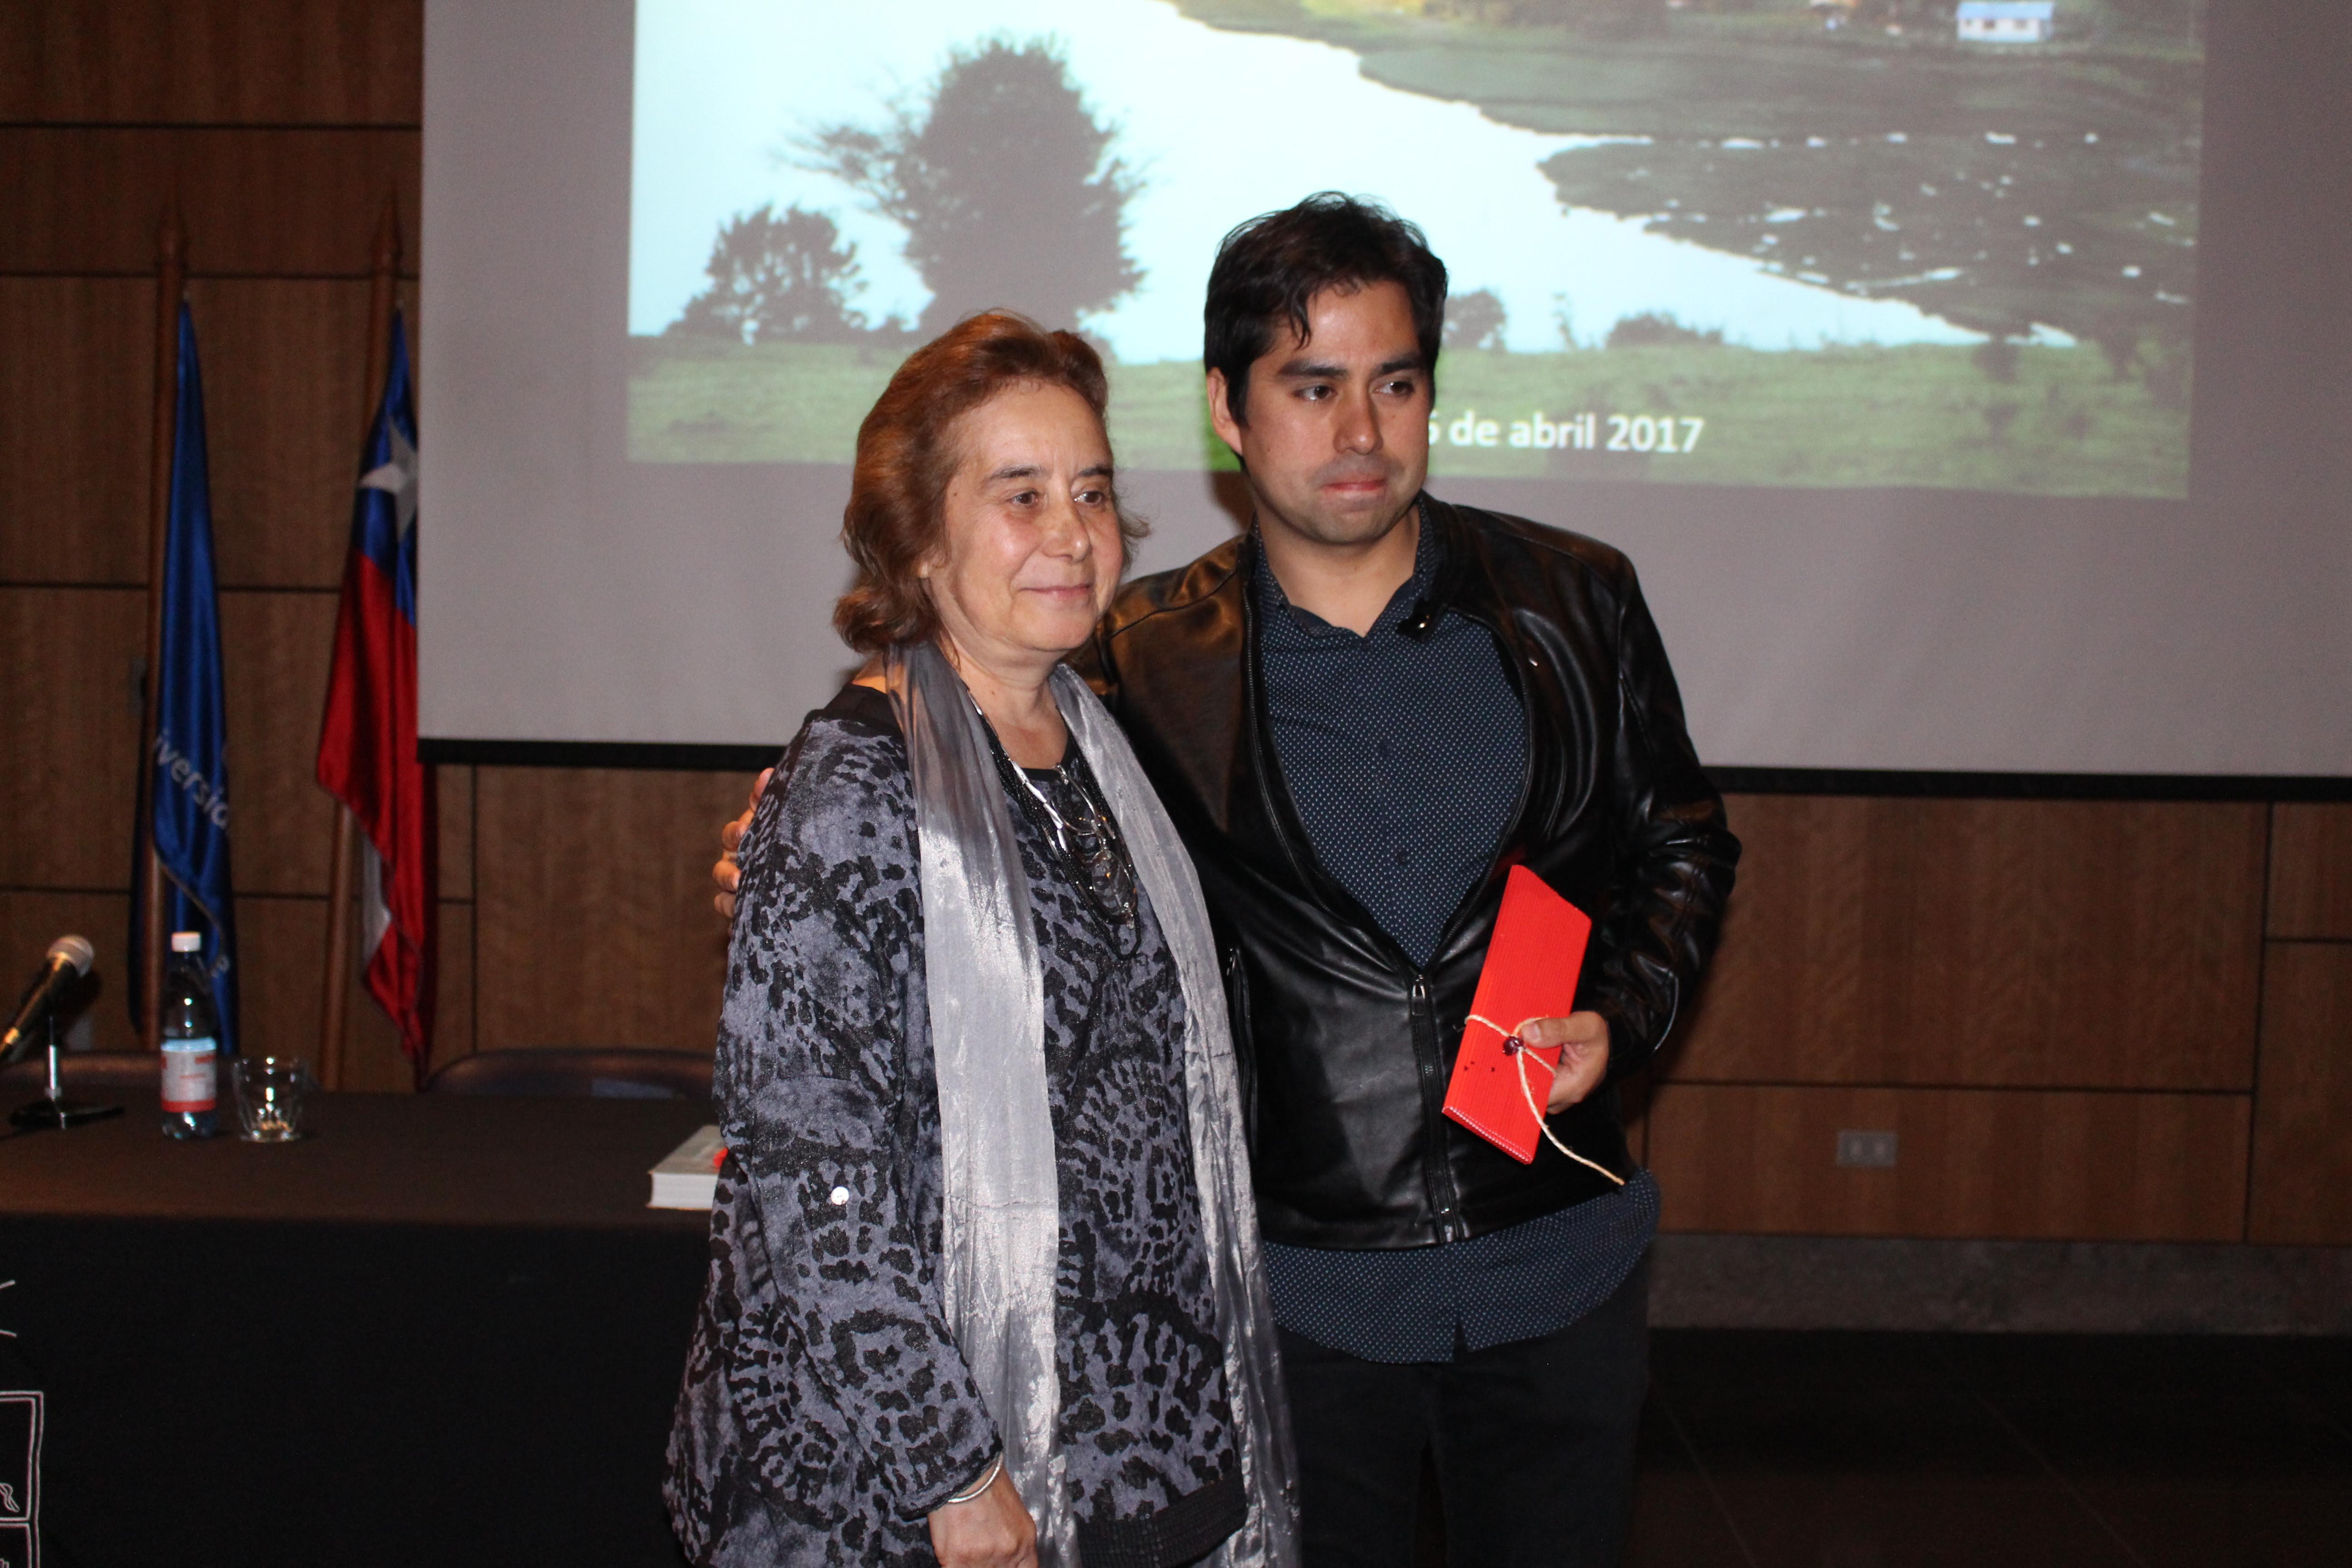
984 1282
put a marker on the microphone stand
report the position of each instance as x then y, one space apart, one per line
56 1110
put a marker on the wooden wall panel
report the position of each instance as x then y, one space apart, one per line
274 648
31 920
2303 1112
265 203
2311 870
2045 943
456 787
1982 1163
593 898
338 62
76 391
284 411
70 710
282 942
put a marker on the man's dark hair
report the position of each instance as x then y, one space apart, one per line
1269 268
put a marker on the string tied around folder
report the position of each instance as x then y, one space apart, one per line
1517 1049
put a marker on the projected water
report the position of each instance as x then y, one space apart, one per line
1755 242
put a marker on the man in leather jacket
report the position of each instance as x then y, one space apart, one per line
1325 706
1360 715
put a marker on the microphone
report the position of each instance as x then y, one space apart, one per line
1421 622
69 959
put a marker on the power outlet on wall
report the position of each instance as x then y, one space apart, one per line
1865 1149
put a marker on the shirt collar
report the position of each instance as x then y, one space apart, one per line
1275 606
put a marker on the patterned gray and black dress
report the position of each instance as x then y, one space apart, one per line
825 1409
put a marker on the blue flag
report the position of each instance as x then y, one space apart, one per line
190 783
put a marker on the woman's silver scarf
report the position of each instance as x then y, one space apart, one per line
1003 1220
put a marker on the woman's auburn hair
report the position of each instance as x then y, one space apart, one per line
908 451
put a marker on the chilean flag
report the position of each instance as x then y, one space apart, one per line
367 745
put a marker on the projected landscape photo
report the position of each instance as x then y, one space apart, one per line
1945 243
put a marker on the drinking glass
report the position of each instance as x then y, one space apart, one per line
272 1094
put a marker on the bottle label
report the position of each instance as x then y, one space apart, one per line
191 1084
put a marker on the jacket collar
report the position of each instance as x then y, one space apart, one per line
1463 581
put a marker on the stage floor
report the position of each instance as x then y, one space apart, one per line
1885 1450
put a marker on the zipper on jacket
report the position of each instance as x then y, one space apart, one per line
1437 1171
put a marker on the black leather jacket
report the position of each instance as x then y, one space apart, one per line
1345 1045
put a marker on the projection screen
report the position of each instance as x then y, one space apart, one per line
1962 377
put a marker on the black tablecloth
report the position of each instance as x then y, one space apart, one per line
441 1331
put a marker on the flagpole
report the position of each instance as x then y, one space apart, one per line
334 1008
170 285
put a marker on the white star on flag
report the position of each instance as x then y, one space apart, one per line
397 479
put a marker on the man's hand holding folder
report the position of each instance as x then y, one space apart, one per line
1583 1039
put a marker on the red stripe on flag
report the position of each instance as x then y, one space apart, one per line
367 760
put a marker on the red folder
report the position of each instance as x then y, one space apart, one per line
1531 972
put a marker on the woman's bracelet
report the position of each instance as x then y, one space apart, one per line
987 1480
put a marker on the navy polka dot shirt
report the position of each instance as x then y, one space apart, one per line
1404 751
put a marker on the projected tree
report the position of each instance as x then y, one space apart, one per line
777 279
1474 320
1004 182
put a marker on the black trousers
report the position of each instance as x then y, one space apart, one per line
1533 1444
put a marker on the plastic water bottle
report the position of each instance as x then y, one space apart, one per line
191 1043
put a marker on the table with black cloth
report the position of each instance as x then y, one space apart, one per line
440 1330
